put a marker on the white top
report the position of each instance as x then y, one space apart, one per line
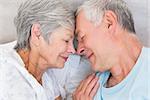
17 84
68 78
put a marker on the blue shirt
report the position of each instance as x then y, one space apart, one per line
136 86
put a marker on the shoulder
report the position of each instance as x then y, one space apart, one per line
146 53
13 84
144 58
7 63
8 45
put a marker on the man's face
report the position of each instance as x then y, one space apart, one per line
92 41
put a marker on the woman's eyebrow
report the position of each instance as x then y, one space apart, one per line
76 32
69 35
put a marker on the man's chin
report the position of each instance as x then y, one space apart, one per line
97 68
94 68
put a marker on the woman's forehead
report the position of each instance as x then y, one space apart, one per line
63 32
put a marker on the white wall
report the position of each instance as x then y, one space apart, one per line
8 10
139 8
148 22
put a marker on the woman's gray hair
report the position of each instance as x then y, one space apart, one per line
94 10
50 14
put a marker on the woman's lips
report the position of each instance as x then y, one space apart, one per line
65 58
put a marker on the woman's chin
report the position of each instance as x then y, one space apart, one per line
60 66
61 63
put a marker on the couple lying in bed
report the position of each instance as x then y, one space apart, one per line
46 32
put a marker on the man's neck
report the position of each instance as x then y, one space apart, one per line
126 61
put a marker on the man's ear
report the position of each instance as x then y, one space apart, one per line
110 20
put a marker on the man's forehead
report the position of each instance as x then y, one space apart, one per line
77 33
77 29
81 14
79 20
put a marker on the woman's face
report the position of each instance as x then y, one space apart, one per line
60 45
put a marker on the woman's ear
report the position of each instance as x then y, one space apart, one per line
110 20
35 30
35 34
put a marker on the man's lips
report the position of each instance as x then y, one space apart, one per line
90 56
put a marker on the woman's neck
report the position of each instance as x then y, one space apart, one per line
32 63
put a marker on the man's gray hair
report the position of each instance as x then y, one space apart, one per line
94 10
50 14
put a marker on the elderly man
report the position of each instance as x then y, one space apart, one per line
106 36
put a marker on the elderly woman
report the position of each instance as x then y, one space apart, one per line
45 30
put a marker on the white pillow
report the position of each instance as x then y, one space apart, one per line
9 45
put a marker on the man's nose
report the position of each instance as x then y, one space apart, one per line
80 51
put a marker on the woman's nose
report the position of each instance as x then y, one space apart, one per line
71 49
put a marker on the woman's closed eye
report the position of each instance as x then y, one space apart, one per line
68 38
66 41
